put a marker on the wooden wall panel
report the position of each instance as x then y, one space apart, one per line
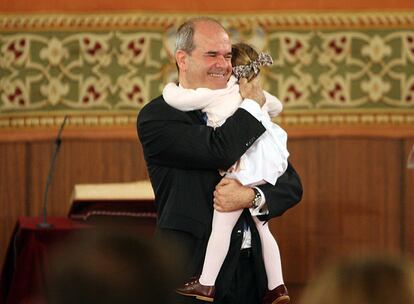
24 167
352 203
357 192
81 162
12 190
408 189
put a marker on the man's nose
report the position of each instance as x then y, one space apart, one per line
221 61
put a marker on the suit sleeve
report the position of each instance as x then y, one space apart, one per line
177 142
286 193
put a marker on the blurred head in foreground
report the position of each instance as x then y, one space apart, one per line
109 267
363 280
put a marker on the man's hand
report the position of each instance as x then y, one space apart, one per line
252 90
230 195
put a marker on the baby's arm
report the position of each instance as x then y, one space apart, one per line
272 105
186 99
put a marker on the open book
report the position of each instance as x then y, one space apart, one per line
140 190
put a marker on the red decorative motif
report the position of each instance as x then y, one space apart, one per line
410 40
91 48
134 46
297 45
16 47
92 96
338 45
292 91
17 97
336 93
410 96
132 96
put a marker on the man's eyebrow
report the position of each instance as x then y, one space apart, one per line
216 53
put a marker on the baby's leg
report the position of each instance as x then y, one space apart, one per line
218 244
271 255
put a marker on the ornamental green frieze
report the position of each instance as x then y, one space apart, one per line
101 69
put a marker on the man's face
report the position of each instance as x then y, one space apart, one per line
209 64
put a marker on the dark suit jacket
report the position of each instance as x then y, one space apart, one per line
183 157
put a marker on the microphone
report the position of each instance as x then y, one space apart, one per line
44 224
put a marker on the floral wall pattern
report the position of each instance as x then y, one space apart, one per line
101 69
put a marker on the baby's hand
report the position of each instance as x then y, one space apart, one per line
252 90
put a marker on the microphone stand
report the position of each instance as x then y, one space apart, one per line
44 224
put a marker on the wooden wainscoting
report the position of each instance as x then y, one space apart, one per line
25 159
357 193
356 200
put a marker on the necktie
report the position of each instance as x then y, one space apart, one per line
203 116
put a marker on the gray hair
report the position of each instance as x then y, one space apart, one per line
185 33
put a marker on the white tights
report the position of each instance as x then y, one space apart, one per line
219 242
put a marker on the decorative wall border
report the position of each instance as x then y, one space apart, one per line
280 32
301 118
14 22
293 118
75 119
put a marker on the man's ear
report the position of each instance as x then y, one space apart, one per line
181 59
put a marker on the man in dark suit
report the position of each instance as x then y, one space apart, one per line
183 157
